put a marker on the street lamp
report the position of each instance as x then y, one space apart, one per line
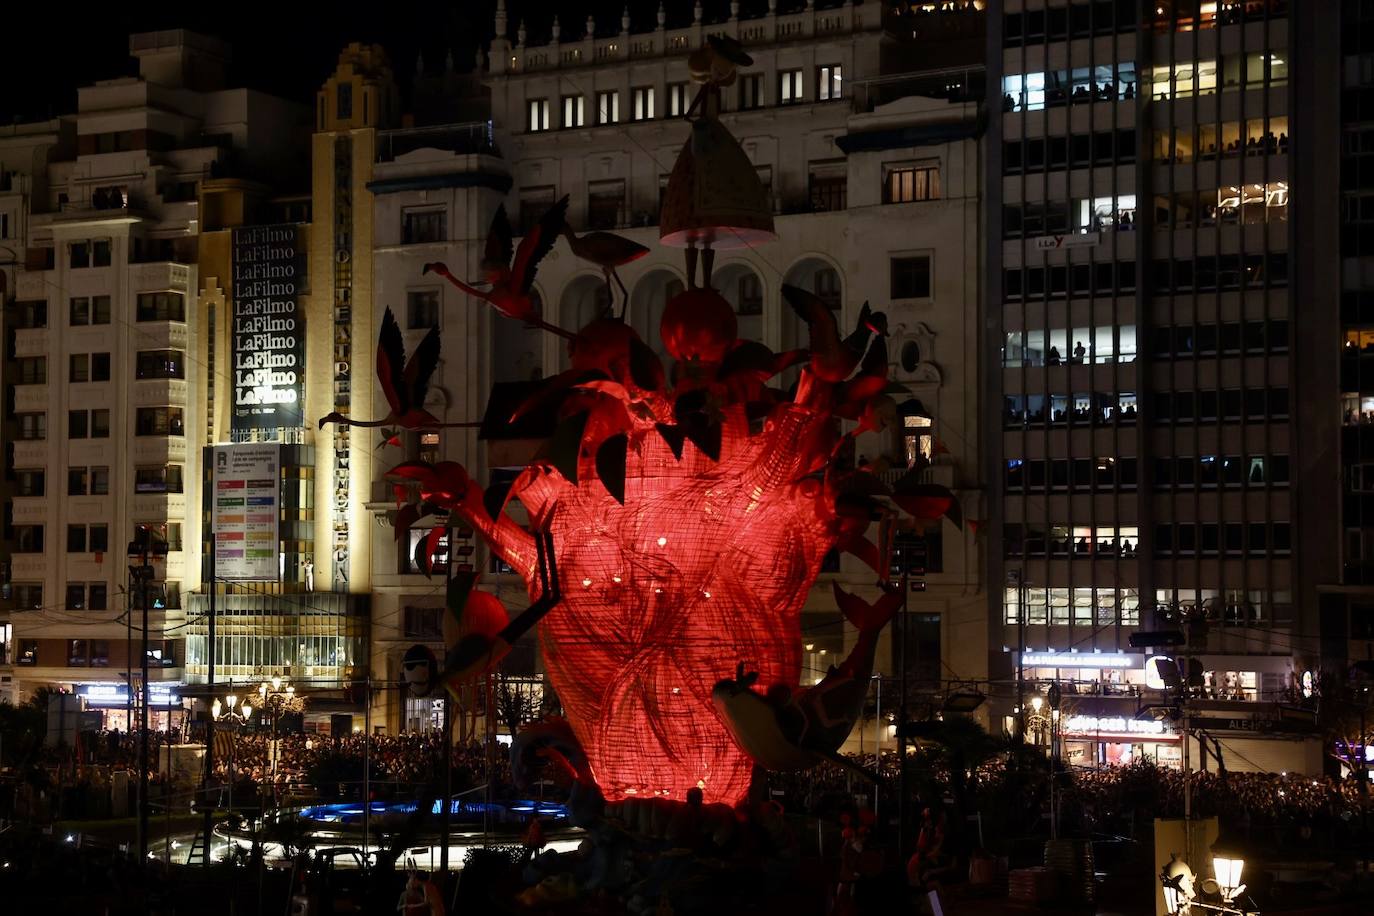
234 719
1228 864
276 697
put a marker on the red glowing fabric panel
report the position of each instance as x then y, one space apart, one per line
705 565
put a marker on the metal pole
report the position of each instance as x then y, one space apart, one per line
209 823
1364 784
129 664
367 765
1054 772
448 784
878 748
166 792
145 570
1020 659
903 718
275 710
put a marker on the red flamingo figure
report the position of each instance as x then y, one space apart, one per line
403 382
512 281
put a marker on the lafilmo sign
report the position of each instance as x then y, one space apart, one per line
268 332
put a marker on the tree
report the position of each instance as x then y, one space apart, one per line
1345 712
514 701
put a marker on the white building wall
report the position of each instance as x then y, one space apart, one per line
784 142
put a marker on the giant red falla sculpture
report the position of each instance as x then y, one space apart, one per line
684 515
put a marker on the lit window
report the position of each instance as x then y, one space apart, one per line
573 114
910 183
642 103
790 87
829 82
677 100
538 115
608 107
918 439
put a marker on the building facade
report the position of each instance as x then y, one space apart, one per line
1143 327
871 160
106 365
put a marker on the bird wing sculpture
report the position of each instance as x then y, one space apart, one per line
831 360
787 730
500 246
404 382
538 243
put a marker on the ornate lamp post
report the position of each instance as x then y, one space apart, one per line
234 717
275 698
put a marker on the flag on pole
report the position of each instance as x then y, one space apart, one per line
224 744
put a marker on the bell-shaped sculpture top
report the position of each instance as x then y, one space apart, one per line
714 197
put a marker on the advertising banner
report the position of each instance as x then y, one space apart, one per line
244 514
267 330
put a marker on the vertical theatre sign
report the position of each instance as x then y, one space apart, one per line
246 505
267 330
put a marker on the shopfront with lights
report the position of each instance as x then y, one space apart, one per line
111 700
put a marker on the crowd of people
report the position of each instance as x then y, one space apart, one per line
1110 799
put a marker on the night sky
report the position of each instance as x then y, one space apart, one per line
285 47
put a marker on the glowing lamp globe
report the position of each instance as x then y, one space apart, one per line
698 324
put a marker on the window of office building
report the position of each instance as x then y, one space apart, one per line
1183 80
158 479
642 103
608 107
28 596
678 99
31 314
750 91
344 101
790 90
829 186
606 204
88 310
422 309
910 182
538 115
1101 606
534 203
79 367
159 421
100 253
163 306
1060 346
160 364
31 370
829 82
32 426
1036 91
423 226
910 277
750 294
422 622
30 481
574 111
